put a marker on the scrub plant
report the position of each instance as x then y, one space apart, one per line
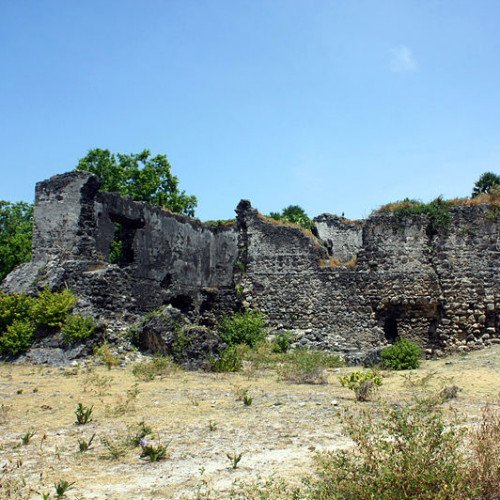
362 383
83 414
234 458
84 445
153 452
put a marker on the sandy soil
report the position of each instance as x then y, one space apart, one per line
202 419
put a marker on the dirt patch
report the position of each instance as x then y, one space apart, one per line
201 417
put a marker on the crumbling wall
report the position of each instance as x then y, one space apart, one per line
166 258
439 288
353 288
343 237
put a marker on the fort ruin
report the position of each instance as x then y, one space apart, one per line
349 286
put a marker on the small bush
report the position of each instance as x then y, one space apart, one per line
159 366
231 360
104 353
14 307
304 366
403 355
17 338
411 452
437 210
51 308
242 328
77 328
282 342
362 383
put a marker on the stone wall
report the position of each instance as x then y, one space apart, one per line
166 258
352 286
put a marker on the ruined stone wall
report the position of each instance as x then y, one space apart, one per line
166 258
352 288
440 288
343 237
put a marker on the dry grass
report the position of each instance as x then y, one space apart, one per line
332 262
482 199
197 413
279 223
396 205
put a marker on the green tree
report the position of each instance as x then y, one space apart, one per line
486 183
140 176
16 228
294 214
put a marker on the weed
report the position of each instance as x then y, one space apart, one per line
124 405
449 392
26 438
159 366
230 360
138 432
154 452
484 442
212 426
114 449
305 366
83 414
403 355
62 487
84 445
282 342
104 353
414 382
98 384
4 413
362 383
408 453
234 458
247 400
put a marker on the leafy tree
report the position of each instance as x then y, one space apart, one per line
294 214
16 227
486 183
140 176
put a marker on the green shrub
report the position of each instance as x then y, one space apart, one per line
51 308
242 328
282 342
231 360
16 306
17 338
362 383
437 210
403 355
77 328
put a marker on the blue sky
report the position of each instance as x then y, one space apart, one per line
338 106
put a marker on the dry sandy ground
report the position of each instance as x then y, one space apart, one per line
199 416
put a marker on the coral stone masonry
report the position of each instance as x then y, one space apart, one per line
349 286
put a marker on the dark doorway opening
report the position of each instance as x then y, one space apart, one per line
182 302
391 329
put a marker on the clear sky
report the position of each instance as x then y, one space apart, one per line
338 106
